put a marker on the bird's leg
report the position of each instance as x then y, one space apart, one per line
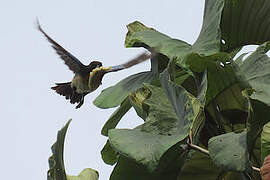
81 102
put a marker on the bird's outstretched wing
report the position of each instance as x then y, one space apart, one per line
137 60
71 61
96 75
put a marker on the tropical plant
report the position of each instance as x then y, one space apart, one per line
204 110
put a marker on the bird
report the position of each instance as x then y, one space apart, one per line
78 88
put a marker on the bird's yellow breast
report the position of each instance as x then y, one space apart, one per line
80 83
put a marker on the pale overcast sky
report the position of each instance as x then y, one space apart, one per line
31 113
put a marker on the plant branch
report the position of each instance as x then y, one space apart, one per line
204 151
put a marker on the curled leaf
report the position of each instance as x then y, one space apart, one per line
56 162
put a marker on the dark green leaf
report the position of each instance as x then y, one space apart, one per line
200 166
108 154
116 117
208 41
259 115
229 151
245 22
131 170
126 169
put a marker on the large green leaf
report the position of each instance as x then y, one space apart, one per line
116 117
162 129
256 69
265 141
139 35
56 162
245 22
208 42
229 151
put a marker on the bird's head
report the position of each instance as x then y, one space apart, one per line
94 65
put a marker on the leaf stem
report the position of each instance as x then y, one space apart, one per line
204 151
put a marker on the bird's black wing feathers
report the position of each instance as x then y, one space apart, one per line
137 60
71 61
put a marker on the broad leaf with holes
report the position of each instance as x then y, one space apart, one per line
245 22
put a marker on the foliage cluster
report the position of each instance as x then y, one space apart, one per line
198 94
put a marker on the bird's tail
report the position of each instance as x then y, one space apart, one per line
66 90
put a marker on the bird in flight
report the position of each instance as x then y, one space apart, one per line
78 88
